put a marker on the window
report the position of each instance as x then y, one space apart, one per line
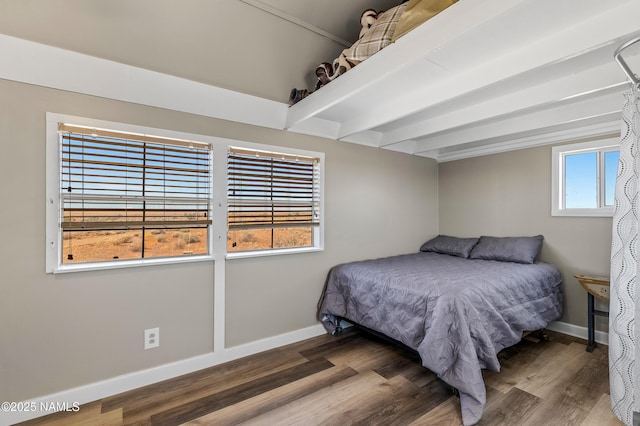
273 200
126 196
120 195
584 177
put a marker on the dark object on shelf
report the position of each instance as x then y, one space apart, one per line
297 95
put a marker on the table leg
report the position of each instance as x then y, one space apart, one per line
591 323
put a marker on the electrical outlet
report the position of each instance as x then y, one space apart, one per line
151 338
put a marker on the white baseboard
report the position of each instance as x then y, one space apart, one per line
602 337
69 399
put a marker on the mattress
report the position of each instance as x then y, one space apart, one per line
457 313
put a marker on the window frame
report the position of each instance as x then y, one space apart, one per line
54 232
559 153
317 231
218 231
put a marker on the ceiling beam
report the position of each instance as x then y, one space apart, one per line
589 83
604 126
584 109
614 24
38 64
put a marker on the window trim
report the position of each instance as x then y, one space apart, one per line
218 230
558 184
318 231
53 258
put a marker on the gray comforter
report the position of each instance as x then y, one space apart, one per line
456 313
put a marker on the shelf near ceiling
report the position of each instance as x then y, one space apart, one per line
482 76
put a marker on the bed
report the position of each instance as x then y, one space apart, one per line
457 303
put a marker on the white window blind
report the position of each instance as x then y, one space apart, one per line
120 181
272 190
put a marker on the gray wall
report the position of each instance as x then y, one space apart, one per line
227 44
62 331
509 194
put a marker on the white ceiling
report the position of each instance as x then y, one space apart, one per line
482 76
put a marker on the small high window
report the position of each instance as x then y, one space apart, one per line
584 178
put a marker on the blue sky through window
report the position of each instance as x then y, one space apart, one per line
581 179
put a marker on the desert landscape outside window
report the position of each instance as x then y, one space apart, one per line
273 200
127 196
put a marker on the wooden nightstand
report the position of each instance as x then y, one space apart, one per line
595 287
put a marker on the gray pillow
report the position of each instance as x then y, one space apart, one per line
508 249
454 246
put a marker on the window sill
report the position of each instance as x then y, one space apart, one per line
583 212
129 264
274 252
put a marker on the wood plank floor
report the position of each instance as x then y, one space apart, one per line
358 379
